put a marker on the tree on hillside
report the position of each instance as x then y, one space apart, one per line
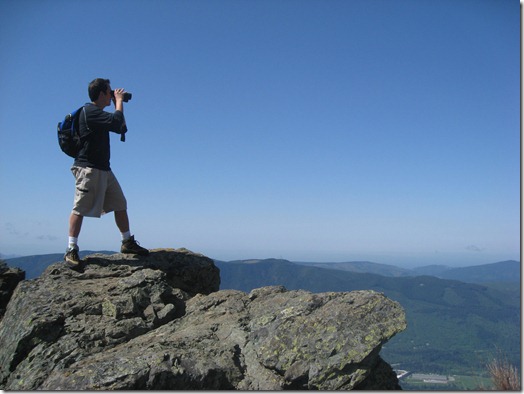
505 377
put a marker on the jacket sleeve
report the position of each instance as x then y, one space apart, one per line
99 120
118 122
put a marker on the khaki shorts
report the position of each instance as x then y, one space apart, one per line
97 192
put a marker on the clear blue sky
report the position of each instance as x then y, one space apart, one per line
312 130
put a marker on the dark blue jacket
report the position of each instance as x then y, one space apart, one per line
96 150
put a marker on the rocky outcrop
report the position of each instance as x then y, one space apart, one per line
160 322
9 279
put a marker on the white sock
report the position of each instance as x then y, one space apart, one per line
126 235
73 242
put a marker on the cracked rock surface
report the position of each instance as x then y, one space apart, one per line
160 322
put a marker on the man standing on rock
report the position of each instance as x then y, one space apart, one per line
97 189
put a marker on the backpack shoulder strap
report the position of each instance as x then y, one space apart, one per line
85 117
89 131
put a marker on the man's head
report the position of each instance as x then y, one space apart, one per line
100 92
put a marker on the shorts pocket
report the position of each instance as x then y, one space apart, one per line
84 179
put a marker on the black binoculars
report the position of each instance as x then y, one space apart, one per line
127 96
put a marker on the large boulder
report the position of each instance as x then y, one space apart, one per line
160 322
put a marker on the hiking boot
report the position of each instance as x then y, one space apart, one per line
72 260
132 247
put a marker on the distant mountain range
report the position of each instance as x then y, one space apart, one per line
504 271
7 256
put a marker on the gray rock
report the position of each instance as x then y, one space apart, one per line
9 279
159 322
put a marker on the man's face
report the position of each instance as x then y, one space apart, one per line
106 96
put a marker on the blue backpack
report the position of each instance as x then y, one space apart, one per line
69 133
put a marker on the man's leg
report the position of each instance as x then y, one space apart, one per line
129 245
122 221
75 225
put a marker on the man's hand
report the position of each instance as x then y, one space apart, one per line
119 99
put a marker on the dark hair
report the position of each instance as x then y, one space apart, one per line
96 86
